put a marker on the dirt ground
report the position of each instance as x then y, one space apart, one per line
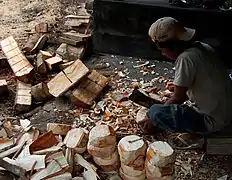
18 18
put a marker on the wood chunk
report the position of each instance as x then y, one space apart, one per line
54 85
46 140
63 51
41 28
76 71
132 171
40 63
132 150
141 114
89 89
110 163
73 22
77 139
101 152
31 43
18 62
39 44
40 92
53 62
68 77
23 98
160 154
65 65
3 87
79 37
27 162
76 52
159 172
58 157
126 177
102 136
52 168
60 129
68 41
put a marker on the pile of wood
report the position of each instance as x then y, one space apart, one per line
102 146
63 66
132 151
160 160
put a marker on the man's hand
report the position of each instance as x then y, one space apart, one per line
179 95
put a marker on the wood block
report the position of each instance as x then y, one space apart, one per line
54 85
40 62
65 65
68 77
77 139
102 136
3 87
76 22
98 78
132 151
101 152
132 171
40 92
53 62
159 172
126 177
110 163
41 28
79 37
76 71
63 51
160 154
63 176
23 98
18 62
59 129
58 157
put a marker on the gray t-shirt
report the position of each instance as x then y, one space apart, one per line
209 86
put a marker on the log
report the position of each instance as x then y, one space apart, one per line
40 63
40 92
77 139
53 63
159 172
17 61
23 98
59 129
132 151
101 152
110 163
126 177
102 136
160 154
68 77
132 171
3 87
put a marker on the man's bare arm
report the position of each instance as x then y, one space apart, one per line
179 96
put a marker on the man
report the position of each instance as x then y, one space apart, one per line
200 77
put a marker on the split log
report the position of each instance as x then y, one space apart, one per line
60 129
158 172
110 163
77 139
23 98
53 63
160 154
17 61
126 177
40 92
101 152
68 77
3 87
40 63
102 136
132 151
132 171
